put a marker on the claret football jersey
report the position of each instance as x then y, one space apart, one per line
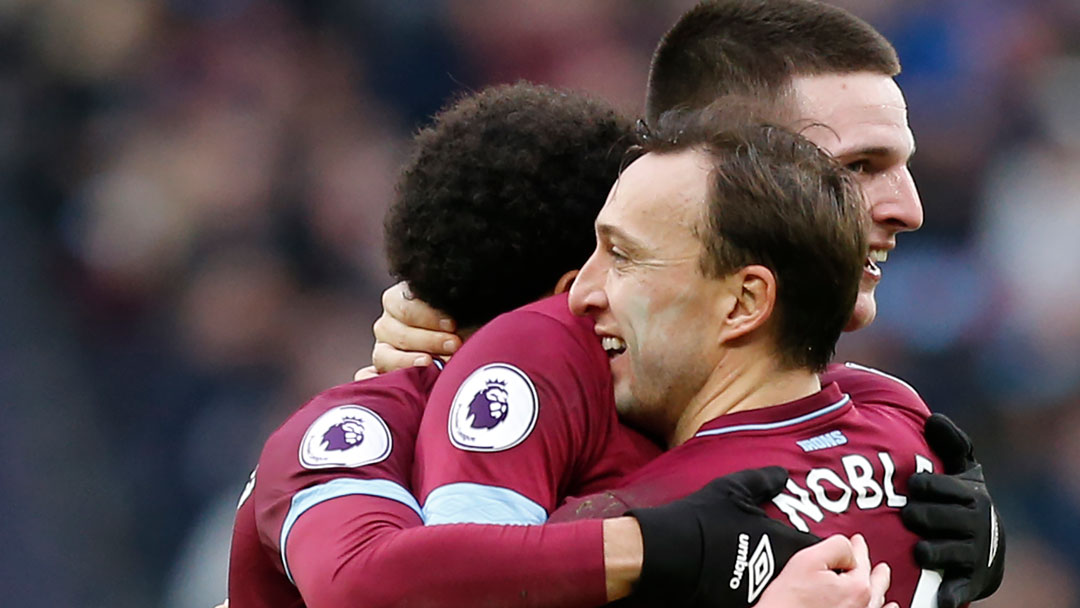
849 449
522 417
354 439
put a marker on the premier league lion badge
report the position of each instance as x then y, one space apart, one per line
494 409
346 436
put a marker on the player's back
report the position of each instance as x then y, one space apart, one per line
522 417
849 450
356 438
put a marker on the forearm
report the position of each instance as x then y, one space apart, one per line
370 560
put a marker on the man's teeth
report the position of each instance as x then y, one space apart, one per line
613 345
875 257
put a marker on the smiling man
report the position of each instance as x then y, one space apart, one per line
328 518
812 67
821 71
726 267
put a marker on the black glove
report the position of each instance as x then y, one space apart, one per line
956 518
716 547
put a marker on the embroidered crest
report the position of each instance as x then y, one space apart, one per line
494 409
345 436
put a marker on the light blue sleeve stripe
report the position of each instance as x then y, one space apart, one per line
343 486
473 503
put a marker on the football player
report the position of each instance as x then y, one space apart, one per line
719 320
820 70
328 517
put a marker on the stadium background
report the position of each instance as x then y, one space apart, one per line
191 195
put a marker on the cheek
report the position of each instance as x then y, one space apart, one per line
875 189
642 327
865 309
640 314
670 328
631 302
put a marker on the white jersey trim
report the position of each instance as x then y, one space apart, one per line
765 426
336 488
473 503
871 370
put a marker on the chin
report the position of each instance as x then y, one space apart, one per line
864 312
624 401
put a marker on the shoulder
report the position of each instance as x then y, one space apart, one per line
546 322
542 338
535 367
392 399
871 386
351 425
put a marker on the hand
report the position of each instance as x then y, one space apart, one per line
955 516
834 573
364 373
410 332
691 544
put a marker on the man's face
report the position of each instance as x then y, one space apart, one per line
644 287
865 127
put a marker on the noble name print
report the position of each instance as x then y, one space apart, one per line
494 409
345 436
857 481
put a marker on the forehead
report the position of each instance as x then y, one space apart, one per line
862 111
659 192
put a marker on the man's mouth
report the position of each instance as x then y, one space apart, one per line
613 346
876 256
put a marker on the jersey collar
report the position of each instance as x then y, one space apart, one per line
827 402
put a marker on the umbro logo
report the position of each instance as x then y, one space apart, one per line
759 568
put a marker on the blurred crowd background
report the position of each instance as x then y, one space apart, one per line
191 194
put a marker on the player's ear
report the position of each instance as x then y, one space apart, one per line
754 288
565 281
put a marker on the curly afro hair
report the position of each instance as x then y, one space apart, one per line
498 199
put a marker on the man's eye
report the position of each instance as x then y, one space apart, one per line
859 166
617 255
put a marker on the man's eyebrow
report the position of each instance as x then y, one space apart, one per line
626 241
877 151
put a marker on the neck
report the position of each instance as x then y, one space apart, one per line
741 383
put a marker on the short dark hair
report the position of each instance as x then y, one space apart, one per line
497 200
755 47
778 200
